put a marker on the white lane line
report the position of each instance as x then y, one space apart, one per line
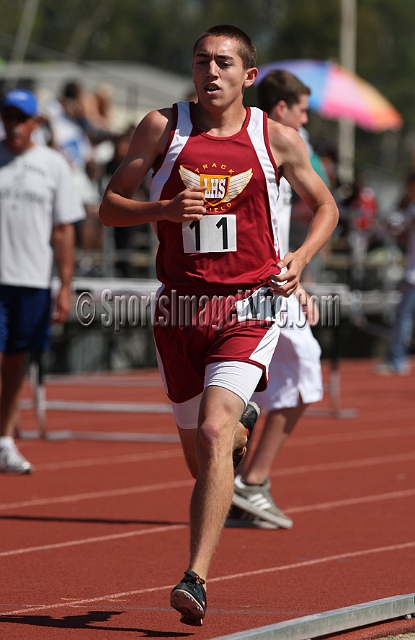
90 462
352 436
188 483
245 574
393 495
75 543
293 442
177 453
369 416
346 464
93 495
321 506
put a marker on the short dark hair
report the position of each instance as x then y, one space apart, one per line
246 50
278 85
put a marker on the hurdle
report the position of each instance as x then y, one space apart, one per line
41 405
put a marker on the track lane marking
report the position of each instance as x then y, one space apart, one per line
177 452
347 464
330 466
320 506
371 434
234 576
352 501
93 495
90 462
74 543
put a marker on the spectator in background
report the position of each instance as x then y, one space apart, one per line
359 211
69 136
362 205
121 144
74 101
76 137
91 111
38 204
90 231
316 162
402 225
329 157
122 235
100 107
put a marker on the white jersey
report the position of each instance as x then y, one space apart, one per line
36 192
295 370
284 216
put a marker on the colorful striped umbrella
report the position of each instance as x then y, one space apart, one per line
337 93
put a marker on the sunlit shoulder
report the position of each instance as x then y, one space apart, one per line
285 141
155 128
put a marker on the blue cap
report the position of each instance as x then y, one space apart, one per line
23 100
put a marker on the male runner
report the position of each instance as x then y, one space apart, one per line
295 378
212 203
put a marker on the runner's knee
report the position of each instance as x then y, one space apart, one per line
213 439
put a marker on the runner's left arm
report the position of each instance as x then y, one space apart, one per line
291 154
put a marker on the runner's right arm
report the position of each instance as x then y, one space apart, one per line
147 145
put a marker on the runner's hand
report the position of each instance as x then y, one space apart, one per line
186 206
288 280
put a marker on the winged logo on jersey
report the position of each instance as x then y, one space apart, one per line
219 188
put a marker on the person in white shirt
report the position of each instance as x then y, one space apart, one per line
38 205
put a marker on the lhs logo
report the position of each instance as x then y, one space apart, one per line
219 189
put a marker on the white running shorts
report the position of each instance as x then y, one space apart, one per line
239 377
295 368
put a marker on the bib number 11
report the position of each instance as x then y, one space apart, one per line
211 234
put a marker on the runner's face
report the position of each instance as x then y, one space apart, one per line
18 127
218 71
296 116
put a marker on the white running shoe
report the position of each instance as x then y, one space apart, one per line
240 519
11 460
257 500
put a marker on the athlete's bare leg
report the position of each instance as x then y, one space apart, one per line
278 426
12 373
188 442
218 434
187 439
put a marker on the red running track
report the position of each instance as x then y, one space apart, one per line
93 541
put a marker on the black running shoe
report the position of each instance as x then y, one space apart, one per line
248 419
189 598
